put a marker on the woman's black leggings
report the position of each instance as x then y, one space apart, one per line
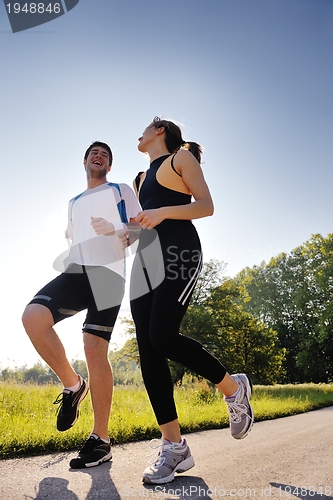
158 313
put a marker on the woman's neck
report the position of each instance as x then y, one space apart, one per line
157 152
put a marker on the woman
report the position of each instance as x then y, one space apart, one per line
165 193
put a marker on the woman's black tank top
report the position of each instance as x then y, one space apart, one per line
154 195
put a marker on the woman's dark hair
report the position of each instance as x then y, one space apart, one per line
174 140
101 145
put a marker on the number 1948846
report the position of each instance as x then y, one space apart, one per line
34 8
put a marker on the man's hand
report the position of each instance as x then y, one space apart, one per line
124 238
131 235
102 226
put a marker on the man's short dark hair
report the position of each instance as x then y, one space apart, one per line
101 145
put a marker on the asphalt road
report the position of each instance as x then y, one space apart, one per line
284 458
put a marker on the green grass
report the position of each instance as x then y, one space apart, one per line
27 415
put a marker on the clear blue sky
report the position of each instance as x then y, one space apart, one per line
251 80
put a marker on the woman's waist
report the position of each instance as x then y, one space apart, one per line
172 231
160 201
174 222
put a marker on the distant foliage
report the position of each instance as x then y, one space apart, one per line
217 318
293 294
125 367
125 364
38 374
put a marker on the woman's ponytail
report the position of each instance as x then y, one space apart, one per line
173 138
195 149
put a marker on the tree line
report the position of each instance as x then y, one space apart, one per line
293 295
273 321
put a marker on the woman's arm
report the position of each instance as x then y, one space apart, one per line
188 167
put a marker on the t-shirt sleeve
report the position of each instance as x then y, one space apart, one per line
132 205
69 230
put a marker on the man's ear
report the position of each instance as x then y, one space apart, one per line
160 130
84 164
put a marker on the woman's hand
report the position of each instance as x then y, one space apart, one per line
148 219
102 226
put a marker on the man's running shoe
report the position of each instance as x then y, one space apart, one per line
241 415
69 401
171 458
94 452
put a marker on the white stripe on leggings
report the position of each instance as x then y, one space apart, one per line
191 284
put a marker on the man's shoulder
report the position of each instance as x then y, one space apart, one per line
121 187
75 197
120 184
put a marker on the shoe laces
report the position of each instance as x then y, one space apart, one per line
163 447
237 411
64 401
89 445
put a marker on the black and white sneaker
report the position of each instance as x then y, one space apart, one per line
69 401
94 452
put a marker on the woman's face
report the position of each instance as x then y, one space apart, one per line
147 138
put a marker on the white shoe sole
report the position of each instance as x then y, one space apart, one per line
101 461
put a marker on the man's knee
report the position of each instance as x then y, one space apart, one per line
36 316
95 348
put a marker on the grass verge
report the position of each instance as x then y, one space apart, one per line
27 415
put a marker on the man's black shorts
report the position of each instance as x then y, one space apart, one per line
97 289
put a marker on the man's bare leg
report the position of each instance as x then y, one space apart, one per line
100 381
38 323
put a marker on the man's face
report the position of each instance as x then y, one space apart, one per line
97 162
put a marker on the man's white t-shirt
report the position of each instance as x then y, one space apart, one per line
104 201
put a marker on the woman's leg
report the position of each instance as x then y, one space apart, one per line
165 320
158 315
154 366
167 341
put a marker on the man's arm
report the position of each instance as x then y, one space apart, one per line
69 230
128 233
133 207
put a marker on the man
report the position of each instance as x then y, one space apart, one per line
93 279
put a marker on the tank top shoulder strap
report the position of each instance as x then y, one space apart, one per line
173 167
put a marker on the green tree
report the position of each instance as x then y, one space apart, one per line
80 366
293 295
11 374
125 363
267 295
217 319
39 374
